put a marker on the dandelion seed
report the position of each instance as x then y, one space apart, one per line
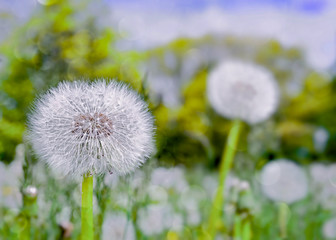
244 91
94 128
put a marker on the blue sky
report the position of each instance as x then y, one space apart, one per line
307 6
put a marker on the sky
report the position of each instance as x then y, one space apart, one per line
303 23
311 6
308 24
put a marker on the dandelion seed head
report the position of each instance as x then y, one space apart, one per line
283 180
155 218
244 186
10 182
329 229
194 217
321 137
245 91
323 183
117 226
100 127
30 191
169 178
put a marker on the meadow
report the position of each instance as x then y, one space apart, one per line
220 137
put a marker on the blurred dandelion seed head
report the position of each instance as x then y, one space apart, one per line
118 226
329 229
283 180
30 191
244 186
155 218
321 137
99 127
323 184
10 180
243 90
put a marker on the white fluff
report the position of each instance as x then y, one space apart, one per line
283 180
10 178
329 229
245 91
80 127
117 226
169 178
323 183
154 219
321 137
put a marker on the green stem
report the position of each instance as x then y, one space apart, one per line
246 231
237 230
25 233
87 210
28 213
225 166
102 192
283 218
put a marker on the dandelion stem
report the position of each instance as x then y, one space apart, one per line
283 216
87 211
225 166
102 192
237 228
246 230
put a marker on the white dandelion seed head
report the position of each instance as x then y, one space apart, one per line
283 180
191 198
323 183
100 127
138 179
155 218
30 191
245 91
319 174
117 226
194 217
329 229
320 137
122 200
244 186
169 178
210 184
157 193
177 222
10 182
64 215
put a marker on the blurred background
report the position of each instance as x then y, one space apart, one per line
165 50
